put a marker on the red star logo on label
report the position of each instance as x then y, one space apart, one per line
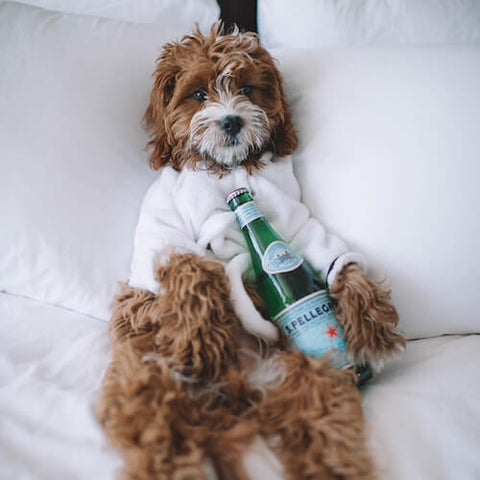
331 332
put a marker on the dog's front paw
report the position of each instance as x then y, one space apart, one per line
367 316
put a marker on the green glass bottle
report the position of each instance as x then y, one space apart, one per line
295 297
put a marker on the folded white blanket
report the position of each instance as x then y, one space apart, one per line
186 210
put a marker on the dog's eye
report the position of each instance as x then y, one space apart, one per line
247 90
200 95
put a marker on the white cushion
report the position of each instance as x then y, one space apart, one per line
319 23
51 365
389 160
177 14
73 90
424 411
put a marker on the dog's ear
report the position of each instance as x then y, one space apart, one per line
284 136
154 121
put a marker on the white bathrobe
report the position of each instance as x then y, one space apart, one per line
186 210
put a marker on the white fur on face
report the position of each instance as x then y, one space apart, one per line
208 138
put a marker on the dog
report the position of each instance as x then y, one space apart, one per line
197 372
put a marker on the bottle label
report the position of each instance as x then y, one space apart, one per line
279 257
246 213
311 326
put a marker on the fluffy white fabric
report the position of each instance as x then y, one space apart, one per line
51 365
73 90
320 23
187 210
175 13
424 411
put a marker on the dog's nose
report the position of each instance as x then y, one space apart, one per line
231 124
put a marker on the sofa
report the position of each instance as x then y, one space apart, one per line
385 99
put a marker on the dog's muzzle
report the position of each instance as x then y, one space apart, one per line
229 129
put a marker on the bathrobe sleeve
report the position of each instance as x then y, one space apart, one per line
161 230
237 270
326 252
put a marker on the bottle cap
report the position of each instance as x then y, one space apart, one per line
236 193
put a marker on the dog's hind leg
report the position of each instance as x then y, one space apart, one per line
138 410
202 336
174 393
314 420
139 397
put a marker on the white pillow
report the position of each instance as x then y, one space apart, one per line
177 14
73 90
319 23
389 160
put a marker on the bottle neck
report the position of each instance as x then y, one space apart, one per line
252 222
246 213
239 197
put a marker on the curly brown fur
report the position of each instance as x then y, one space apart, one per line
174 393
367 316
195 63
315 420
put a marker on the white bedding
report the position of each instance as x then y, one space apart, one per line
410 119
51 364
424 409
